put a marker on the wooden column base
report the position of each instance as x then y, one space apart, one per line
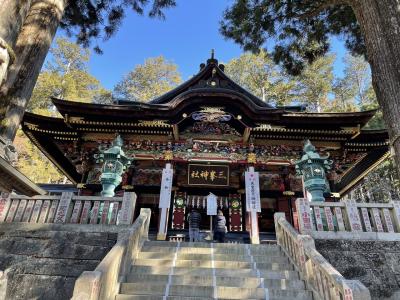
254 233
161 236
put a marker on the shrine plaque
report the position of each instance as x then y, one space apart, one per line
85 212
76 212
104 214
329 218
208 175
52 211
5 203
64 208
12 210
252 183
388 220
211 205
36 211
20 210
165 189
28 211
365 216
44 211
114 213
396 214
318 218
377 220
353 216
339 218
304 215
95 212
127 208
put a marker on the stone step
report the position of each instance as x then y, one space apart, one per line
223 250
150 297
246 282
148 288
208 264
275 257
162 270
209 245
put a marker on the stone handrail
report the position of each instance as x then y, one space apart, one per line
103 282
67 208
320 276
363 219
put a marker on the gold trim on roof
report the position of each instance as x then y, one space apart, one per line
157 123
212 110
76 120
386 143
141 123
35 127
282 129
31 126
299 137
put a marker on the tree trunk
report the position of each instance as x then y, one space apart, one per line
12 16
380 24
31 49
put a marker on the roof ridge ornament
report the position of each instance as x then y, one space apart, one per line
212 59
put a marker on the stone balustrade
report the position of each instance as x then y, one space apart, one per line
103 282
349 219
320 276
67 208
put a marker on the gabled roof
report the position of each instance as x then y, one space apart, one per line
211 76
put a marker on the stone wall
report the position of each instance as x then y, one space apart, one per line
375 263
44 264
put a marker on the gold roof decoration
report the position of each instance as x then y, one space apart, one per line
251 158
168 155
211 114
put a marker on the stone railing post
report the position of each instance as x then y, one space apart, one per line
88 285
304 216
103 282
304 242
321 277
353 216
127 208
278 228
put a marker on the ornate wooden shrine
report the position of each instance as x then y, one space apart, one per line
211 131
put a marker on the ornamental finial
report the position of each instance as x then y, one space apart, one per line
212 53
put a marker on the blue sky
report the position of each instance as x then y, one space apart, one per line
186 37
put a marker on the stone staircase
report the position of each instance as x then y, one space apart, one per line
166 270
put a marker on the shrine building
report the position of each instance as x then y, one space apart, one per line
209 131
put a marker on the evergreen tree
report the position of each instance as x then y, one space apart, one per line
315 84
66 75
87 20
147 81
258 74
301 31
